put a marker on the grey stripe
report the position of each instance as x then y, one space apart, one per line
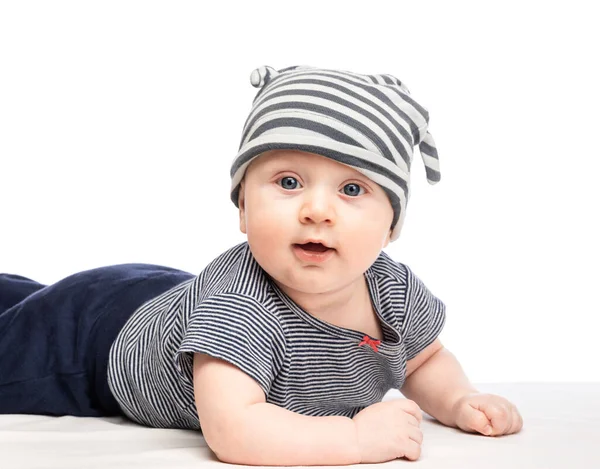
371 103
428 149
304 124
383 97
365 130
357 81
367 87
432 174
413 103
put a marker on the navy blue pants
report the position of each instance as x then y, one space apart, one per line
55 339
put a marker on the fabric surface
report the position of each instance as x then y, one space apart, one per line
234 312
55 339
561 430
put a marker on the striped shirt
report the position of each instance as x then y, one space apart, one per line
233 311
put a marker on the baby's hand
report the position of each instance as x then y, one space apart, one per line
389 430
487 414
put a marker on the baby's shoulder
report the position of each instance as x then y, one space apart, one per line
386 268
234 271
234 281
230 260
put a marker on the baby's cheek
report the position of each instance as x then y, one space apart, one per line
364 246
268 227
268 239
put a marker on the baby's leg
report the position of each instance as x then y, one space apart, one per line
14 288
42 349
50 343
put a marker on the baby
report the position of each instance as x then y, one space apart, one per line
281 350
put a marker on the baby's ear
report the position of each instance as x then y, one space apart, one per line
242 207
387 239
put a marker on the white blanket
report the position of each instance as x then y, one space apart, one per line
562 430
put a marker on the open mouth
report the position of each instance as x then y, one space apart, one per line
313 247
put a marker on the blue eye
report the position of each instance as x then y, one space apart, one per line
352 189
288 182
291 183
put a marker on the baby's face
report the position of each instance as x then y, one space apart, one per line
288 197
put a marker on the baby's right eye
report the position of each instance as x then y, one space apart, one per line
288 182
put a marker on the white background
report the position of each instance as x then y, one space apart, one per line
119 120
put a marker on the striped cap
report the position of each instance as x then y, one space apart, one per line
368 122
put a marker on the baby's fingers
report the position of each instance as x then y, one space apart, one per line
410 407
489 415
500 417
504 418
517 421
474 420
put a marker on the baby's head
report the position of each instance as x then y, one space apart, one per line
325 156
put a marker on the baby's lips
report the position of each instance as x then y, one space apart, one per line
318 247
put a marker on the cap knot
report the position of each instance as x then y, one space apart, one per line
262 75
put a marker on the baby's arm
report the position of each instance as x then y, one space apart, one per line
241 428
436 381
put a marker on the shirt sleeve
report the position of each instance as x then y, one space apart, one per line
239 330
424 318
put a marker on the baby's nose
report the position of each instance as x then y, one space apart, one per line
317 209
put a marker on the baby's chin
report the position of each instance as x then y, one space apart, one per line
310 283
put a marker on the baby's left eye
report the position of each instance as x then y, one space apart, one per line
353 189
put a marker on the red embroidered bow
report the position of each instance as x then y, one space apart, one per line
368 341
